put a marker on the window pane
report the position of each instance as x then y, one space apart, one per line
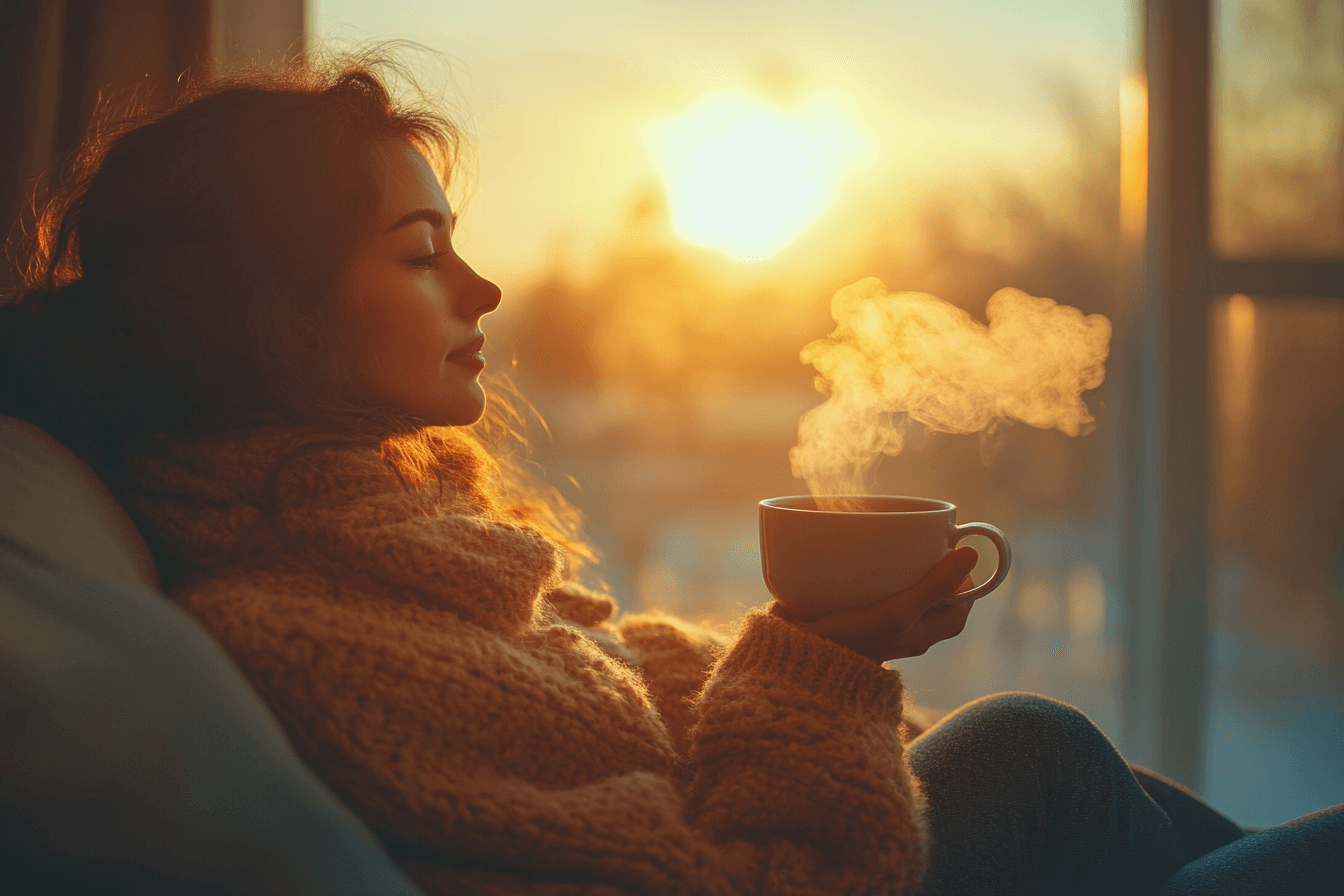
1277 671
1278 181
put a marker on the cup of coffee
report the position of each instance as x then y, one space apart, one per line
837 552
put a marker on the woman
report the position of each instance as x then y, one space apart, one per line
247 313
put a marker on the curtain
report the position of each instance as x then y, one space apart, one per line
62 61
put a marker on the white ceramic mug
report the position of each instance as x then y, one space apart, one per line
818 561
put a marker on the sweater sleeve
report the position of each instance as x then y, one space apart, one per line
797 782
797 753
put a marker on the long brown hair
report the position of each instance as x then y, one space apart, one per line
181 276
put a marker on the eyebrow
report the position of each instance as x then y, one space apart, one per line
433 216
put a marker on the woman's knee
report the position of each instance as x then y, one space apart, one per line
1016 720
1028 715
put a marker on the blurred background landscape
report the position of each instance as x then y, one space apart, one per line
953 148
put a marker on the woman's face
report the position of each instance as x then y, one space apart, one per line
409 307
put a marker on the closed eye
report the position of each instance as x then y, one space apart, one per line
427 262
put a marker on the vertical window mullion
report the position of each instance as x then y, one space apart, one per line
1167 542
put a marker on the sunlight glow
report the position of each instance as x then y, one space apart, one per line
1134 156
748 178
1238 376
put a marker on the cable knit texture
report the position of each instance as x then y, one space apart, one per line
501 730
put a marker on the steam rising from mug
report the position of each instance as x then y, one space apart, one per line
904 356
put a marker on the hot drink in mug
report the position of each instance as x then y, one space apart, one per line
860 549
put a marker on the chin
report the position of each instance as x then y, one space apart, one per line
460 413
459 406
468 419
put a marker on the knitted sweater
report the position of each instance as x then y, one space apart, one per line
493 725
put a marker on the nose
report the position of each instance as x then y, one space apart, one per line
480 297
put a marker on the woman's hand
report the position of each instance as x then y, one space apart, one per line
907 623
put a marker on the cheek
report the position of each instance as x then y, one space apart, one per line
398 336
398 325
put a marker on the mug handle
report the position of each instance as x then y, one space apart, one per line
1005 559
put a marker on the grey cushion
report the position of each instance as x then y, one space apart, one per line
133 755
52 501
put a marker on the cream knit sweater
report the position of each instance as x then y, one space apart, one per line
493 725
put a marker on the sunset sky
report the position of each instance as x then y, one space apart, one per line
565 102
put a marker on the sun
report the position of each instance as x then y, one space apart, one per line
748 178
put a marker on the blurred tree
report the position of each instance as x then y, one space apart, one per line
1279 128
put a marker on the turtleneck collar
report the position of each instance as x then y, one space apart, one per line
287 496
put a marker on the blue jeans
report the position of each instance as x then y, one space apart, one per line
1025 795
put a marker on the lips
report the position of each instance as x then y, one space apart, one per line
469 355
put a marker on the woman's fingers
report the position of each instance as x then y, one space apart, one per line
942 622
907 623
904 610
